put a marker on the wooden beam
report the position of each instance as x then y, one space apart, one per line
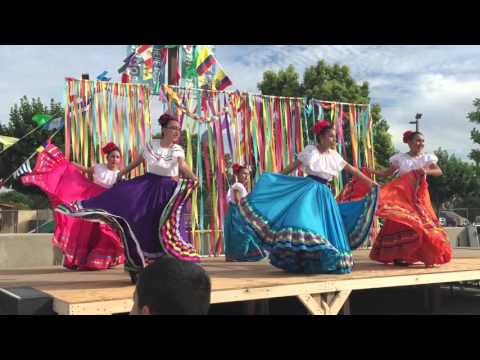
324 304
337 302
313 303
268 292
346 308
93 308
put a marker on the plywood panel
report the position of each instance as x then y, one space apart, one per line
98 291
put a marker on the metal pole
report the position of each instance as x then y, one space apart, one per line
417 121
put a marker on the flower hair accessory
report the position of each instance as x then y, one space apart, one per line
236 168
107 149
407 136
317 128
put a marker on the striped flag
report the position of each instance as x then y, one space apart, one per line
204 60
221 81
23 169
7 141
145 52
56 123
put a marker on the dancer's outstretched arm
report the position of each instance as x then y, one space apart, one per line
130 167
83 169
357 173
291 167
185 170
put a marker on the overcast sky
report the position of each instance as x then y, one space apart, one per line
439 81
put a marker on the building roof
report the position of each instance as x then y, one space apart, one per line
8 206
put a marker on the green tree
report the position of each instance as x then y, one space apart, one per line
331 83
19 200
474 117
460 181
20 123
283 83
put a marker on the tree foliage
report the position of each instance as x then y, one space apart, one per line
474 117
19 124
331 83
460 181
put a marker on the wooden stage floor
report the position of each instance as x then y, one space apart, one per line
110 291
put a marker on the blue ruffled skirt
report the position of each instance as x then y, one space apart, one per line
302 226
241 241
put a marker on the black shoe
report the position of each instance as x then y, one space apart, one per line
399 262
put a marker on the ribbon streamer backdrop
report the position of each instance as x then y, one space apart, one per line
264 133
98 112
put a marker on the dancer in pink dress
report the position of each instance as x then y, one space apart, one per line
85 245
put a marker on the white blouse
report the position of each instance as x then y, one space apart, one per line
103 176
163 161
405 163
237 186
325 165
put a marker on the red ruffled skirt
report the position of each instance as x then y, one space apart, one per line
85 245
411 231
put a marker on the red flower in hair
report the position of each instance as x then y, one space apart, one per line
319 126
236 168
107 149
407 136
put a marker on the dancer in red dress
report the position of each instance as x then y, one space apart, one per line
411 231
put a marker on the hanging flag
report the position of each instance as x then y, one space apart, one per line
145 53
221 81
103 76
54 124
159 57
188 62
204 60
164 55
142 49
23 169
176 65
126 63
41 119
202 81
133 69
7 141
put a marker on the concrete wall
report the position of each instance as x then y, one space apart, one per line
28 250
457 236
463 236
32 250
24 218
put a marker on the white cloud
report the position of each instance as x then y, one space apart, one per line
445 102
40 70
438 81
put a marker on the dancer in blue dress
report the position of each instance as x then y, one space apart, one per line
241 242
297 218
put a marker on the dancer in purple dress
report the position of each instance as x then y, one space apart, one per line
148 210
